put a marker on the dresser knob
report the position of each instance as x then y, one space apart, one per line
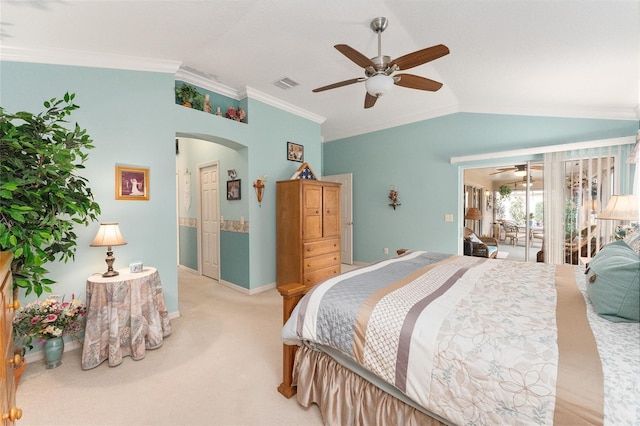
16 360
13 414
15 305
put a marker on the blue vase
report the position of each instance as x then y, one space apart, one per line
53 349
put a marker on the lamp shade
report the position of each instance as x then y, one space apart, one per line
621 207
378 84
473 213
108 235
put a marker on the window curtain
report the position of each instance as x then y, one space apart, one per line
578 185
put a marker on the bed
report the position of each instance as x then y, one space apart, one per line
432 338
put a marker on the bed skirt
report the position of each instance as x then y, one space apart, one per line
345 398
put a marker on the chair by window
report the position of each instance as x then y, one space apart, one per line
479 246
511 231
536 234
576 246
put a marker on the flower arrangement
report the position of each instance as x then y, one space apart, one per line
48 318
394 197
236 115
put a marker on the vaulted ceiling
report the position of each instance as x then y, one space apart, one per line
535 57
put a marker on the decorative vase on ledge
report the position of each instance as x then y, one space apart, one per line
53 349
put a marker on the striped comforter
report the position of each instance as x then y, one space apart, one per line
480 341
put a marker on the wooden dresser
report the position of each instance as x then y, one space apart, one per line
10 413
307 231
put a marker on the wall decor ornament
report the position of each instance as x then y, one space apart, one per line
295 152
259 187
233 189
394 197
132 183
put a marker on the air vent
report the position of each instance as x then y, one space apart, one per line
286 83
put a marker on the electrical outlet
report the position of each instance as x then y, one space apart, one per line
448 217
221 219
241 220
386 250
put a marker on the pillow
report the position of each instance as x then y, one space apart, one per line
633 241
613 283
474 238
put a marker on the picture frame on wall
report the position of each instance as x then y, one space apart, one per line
132 183
295 152
233 189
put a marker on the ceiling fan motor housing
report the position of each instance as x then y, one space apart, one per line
378 25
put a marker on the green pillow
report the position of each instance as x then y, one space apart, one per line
613 283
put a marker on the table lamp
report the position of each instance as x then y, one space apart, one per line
473 214
623 208
109 235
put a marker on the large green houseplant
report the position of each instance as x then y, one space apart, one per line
42 198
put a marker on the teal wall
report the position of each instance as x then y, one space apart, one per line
234 263
128 114
133 119
416 158
188 249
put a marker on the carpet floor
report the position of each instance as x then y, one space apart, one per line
220 366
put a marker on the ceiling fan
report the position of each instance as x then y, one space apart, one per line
522 182
519 170
379 70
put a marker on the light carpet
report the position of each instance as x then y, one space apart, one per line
220 366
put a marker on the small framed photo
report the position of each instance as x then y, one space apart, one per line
233 189
132 183
295 152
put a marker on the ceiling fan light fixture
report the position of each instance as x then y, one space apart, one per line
379 85
521 171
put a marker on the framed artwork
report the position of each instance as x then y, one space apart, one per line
233 189
132 183
295 152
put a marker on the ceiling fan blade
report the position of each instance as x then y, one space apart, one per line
504 170
416 82
369 100
355 56
340 84
420 57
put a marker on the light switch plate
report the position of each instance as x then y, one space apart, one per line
448 217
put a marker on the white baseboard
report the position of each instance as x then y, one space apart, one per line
246 291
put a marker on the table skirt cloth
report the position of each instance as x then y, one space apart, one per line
126 315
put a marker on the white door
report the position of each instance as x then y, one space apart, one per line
346 212
209 220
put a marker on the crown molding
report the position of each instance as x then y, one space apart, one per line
86 59
600 143
275 102
588 113
207 83
245 92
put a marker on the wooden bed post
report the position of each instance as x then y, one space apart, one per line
291 295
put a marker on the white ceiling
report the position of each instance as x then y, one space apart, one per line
535 57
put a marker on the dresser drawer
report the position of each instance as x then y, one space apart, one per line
319 262
313 278
316 248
